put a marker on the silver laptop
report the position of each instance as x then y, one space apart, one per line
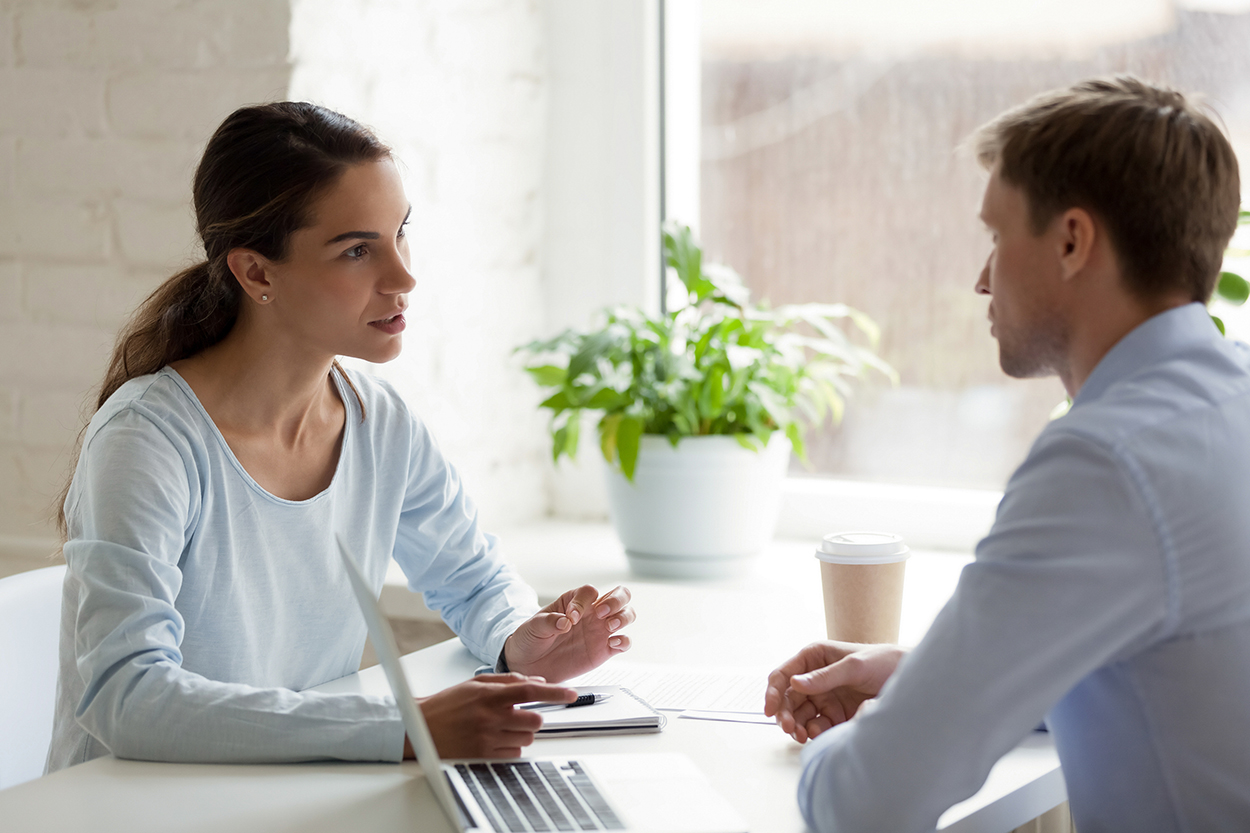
634 792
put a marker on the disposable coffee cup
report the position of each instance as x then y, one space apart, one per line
862 577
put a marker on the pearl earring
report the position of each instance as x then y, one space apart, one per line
264 297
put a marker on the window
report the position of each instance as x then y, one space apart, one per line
827 169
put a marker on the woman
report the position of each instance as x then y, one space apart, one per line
204 591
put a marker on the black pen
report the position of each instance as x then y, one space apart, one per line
582 700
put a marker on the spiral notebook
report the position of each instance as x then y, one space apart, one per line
622 713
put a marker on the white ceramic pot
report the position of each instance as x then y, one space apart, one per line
702 509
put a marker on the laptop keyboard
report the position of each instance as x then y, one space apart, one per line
521 796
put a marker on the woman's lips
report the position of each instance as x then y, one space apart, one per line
393 325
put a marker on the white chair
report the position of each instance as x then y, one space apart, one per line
30 622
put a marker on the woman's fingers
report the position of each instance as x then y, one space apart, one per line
521 720
512 740
547 625
532 692
575 603
623 618
510 677
614 601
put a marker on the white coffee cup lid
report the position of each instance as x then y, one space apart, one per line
863 548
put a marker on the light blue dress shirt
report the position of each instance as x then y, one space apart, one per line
1112 596
198 607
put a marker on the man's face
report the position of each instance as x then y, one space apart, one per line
1023 279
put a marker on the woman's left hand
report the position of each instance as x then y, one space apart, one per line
570 636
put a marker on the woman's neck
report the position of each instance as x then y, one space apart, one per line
251 385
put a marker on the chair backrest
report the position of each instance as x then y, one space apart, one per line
30 622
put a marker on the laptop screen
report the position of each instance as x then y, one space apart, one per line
383 639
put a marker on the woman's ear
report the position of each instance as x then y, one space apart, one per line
252 270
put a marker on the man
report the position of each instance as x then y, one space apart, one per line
1112 595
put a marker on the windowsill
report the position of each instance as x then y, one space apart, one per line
928 517
554 556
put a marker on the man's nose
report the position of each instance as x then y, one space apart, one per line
983 282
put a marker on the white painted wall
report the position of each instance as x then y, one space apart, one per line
529 137
459 90
105 108
601 182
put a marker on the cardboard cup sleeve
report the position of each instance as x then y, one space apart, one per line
862 578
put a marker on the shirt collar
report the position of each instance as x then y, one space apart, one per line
1152 341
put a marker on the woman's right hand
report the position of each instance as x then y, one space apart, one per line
479 719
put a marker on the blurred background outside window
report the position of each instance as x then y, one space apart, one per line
830 170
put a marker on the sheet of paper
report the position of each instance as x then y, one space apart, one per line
728 717
675 688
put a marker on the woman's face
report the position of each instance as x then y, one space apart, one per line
344 284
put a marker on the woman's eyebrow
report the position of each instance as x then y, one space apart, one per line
349 235
361 235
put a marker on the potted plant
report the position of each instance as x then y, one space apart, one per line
700 408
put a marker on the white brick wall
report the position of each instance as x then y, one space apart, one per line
458 89
104 110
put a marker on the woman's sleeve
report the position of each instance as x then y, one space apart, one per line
131 510
451 561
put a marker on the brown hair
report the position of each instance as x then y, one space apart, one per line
1153 167
261 172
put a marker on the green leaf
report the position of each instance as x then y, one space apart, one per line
712 395
564 439
728 285
557 402
1219 324
607 436
605 399
795 434
628 439
748 442
594 346
1233 288
572 429
548 375
686 258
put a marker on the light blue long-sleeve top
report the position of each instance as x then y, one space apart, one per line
198 607
1112 596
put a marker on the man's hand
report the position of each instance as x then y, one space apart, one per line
478 718
573 634
825 684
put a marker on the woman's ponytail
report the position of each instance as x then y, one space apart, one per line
260 173
190 311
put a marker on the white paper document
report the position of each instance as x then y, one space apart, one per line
678 688
728 717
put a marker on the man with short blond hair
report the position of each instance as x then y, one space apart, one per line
1112 595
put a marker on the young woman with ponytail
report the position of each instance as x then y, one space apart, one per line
204 593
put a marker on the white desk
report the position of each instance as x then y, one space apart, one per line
755 620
